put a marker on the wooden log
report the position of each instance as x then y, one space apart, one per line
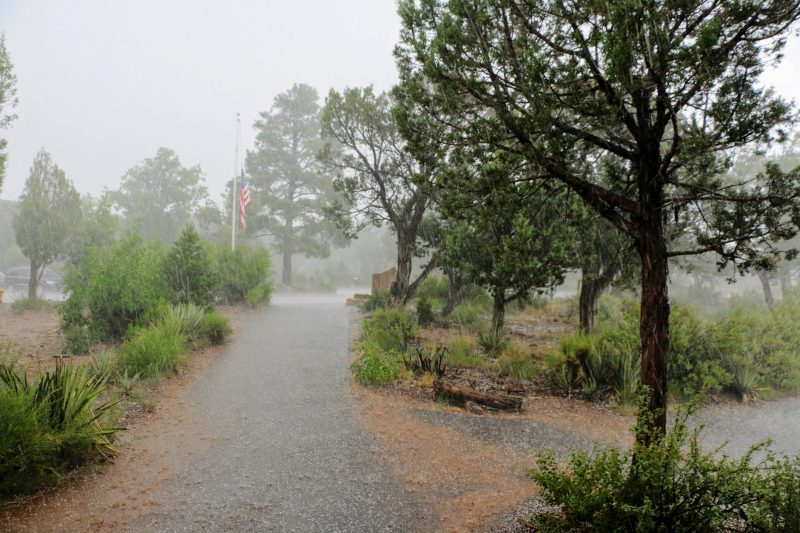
492 399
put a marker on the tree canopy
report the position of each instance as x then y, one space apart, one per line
49 214
290 189
635 106
159 196
8 101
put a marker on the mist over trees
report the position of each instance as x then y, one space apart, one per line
660 93
289 188
8 101
49 213
159 196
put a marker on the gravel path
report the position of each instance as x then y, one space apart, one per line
288 453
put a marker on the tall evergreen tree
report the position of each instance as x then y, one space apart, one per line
49 213
290 190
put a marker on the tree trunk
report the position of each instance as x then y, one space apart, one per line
587 302
763 277
33 280
398 294
654 318
498 312
287 266
454 286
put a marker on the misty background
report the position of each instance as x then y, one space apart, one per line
102 85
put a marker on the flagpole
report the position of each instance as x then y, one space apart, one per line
235 186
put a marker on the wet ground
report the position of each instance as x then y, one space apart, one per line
271 435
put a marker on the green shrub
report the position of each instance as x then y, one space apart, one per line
468 317
189 271
376 366
378 300
259 295
152 351
186 318
692 367
115 288
492 342
670 485
241 270
517 361
77 339
103 365
464 353
216 327
48 428
391 329
425 314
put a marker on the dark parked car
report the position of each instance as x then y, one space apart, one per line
17 279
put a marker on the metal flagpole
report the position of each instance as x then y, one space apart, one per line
235 188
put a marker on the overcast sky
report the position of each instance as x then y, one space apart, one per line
102 84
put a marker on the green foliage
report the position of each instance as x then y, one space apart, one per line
115 288
158 196
153 351
77 339
464 353
8 101
287 181
391 329
48 428
103 365
240 271
377 300
434 288
376 366
259 295
189 271
493 342
670 484
427 361
216 327
425 315
187 318
692 367
518 362
49 212
469 318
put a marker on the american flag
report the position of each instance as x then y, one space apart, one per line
244 198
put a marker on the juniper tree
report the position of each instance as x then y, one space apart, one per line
662 90
380 181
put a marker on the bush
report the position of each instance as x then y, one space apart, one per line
468 317
516 361
376 366
77 339
216 327
189 271
425 314
241 270
463 353
391 329
434 288
259 295
670 485
492 342
378 300
152 351
49 428
187 319
115 288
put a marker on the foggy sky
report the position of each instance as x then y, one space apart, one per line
102 84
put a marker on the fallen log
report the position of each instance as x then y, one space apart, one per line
492 399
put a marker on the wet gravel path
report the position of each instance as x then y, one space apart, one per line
288 453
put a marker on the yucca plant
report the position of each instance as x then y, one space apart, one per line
67 397
188 318
492 342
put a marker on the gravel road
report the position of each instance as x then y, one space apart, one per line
288 453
